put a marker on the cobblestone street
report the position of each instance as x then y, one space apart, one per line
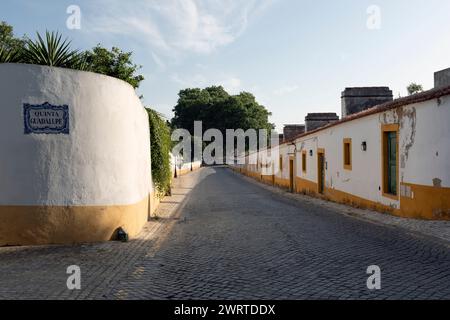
232 239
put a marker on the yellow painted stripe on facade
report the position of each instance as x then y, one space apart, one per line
357 202
424 202
268 179
154 201
305 186
281 182
311 188
182 172
33 225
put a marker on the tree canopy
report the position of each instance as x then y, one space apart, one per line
219 110
414 88
115 63
54 51
10 46
7 39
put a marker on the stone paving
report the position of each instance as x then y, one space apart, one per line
222 237
40 272
437 229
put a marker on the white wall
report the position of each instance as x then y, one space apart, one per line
364 180
424 150
104 161
283 155
429 154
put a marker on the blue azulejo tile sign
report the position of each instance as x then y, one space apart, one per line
46 118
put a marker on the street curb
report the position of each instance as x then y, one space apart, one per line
360 214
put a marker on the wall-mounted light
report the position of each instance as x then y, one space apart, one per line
364 146
311 153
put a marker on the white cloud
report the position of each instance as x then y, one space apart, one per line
286 90
197 80
231 84
175 26
158 61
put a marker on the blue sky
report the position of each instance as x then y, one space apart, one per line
296 56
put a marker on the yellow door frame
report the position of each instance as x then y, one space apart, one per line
384 177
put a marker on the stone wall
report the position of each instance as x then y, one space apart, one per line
442 78
355 100
314 121
292 130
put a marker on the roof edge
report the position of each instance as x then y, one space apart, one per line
401 102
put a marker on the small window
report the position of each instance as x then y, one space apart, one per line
304 161
348 154
281 163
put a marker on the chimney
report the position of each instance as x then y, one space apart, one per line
442 78
355 100
292 130
316 120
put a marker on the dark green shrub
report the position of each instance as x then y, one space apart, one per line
160 139
9 55
114 63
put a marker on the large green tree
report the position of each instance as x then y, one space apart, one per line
115 63
10 46
7 39
220 110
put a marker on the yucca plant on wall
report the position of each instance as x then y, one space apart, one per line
52 51
9 55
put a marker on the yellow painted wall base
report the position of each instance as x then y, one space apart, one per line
305 186
431 203
33 225
357 202
282 183
154 203
182 172
426 202
268 179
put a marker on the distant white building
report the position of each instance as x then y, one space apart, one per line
393 157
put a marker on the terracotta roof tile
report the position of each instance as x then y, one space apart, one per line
416 98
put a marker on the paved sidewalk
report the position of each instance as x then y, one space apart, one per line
223 236
39 272
436 229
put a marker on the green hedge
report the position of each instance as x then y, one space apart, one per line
160 139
